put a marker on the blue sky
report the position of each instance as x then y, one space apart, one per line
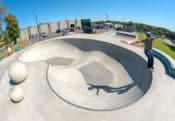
154 12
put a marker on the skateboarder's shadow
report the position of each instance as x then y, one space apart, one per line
108 89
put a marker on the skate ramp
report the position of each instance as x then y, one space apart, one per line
92 74
126 36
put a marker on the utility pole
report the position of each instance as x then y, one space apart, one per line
36 20
124 22
106 17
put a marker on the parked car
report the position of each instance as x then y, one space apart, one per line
68 31
71 30
44 34
58 31
77 28
87 29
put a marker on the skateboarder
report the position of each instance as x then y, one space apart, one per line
148 50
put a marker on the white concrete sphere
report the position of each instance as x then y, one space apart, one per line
16 94
17 72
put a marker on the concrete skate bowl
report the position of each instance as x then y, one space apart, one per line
91 74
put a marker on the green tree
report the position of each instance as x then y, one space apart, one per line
7 39
130 23
3 11
0 31
12 28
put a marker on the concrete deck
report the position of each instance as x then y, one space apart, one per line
43 101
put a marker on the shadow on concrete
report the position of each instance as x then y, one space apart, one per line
108 89
135 65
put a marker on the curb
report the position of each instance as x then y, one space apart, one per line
168 62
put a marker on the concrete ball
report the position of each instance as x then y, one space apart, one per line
16 94
17 72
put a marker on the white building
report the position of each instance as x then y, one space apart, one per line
24 34
48 28
63 24
53 27
44 28
33 30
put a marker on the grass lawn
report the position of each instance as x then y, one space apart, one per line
21 44
162 46
166 48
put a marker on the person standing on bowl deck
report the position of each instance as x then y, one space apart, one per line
148 42
8 50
